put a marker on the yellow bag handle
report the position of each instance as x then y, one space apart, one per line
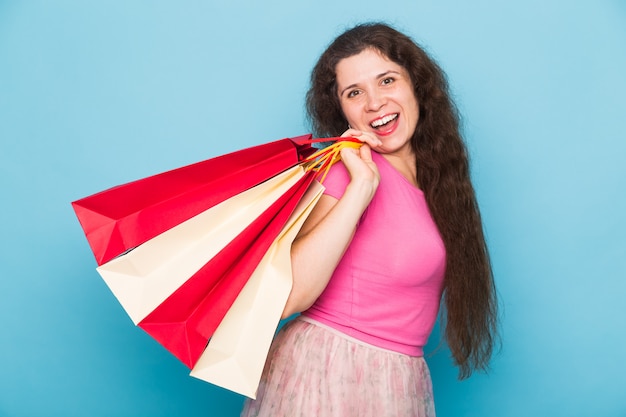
321 161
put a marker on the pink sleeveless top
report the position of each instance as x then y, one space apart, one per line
387 287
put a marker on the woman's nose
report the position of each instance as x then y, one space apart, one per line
375 100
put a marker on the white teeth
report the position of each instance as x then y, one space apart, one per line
384 120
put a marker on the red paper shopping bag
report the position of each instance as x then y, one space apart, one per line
186 320
123 217
144 277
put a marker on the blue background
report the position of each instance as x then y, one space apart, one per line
94 94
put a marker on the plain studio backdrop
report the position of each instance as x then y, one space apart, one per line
95 94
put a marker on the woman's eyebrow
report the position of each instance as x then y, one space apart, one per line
378 77
347 88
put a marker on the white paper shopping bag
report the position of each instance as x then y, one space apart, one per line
236 354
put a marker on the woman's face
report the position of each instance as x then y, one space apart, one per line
376 96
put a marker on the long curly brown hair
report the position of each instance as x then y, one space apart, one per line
469 313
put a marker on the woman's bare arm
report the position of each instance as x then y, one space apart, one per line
328 230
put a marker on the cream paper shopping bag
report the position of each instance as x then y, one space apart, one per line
236 354
144 277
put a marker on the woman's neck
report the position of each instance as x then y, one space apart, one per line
404 163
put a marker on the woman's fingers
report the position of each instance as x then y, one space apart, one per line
360 164
365 137
365 152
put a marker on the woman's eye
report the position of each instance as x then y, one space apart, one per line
387 81
353 93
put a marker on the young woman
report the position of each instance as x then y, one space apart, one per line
397 231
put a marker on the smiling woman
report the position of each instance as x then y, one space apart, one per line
376 96
397 231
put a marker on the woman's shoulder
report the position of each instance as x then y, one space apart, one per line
336 180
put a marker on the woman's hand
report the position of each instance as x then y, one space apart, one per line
359 162
364 137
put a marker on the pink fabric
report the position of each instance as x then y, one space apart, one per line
387 288
314 372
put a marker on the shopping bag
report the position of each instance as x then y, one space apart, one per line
144 277
185 321
236 354
125 216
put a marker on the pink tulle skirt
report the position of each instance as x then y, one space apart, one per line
314 371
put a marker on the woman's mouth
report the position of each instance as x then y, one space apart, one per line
384 123
378 123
